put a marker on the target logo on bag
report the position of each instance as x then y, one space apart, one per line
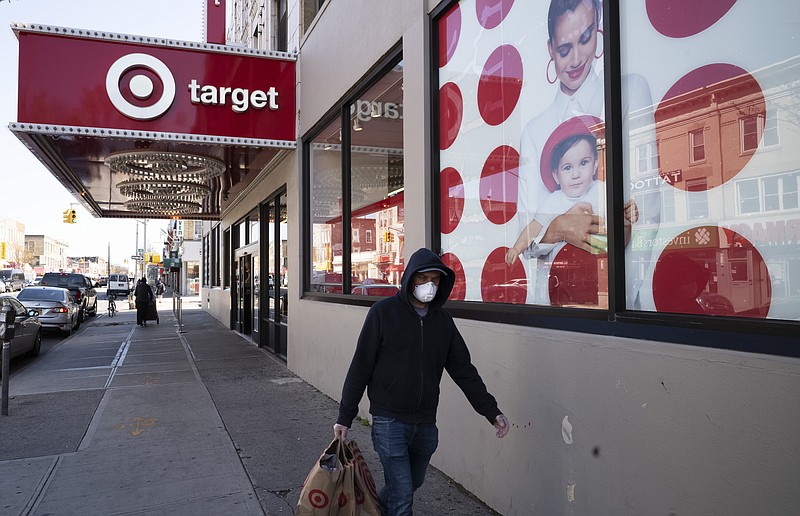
342 500
359 496
318 499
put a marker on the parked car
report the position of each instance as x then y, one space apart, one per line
81 287
4 287
374 287
119 284
102 281
13 277
54 306
27 328
37 280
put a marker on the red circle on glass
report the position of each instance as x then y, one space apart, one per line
500 85
499 183
722 84
451 109
491 13
502 283
577 278
683 18
451 199
583 124
711 270
459 292
449 33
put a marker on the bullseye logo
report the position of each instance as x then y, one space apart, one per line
141 86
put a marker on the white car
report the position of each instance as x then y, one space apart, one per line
119 284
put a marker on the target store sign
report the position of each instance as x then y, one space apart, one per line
160 86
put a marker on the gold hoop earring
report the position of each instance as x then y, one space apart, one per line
547 72
600 32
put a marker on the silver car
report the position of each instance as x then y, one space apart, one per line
55 306
27 329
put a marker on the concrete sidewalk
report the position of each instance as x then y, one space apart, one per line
121 419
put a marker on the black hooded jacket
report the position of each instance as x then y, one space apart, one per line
400 356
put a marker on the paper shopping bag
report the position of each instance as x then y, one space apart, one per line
324 484
365 492
339 484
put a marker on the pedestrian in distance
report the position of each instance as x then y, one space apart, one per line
160 288
144 296
405 344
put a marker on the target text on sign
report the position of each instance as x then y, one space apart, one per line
241 99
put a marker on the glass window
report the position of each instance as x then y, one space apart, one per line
731 248
325 166
750 133
377 185
771 136
521 139
647 157
697 145
748 196
373 203
254 223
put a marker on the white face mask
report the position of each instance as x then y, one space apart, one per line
425 292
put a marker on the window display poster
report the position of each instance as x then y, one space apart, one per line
710 212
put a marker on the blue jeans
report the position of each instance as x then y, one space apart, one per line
404 450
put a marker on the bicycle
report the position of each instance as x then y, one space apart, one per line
112 305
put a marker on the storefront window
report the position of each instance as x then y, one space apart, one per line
360 179
377 186
522 152
325 166
724 153
254 223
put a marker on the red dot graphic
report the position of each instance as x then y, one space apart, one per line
501 283
451 199
449 33
459 292
682 18
577 278
500 85
499 184
491 13
698 126
711 270
451 109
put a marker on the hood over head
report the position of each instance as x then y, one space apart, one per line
424 260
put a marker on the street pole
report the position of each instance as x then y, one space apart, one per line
144 263
7 318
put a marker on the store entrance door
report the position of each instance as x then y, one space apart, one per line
245 260
276 314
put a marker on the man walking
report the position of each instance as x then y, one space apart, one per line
144 296
405 344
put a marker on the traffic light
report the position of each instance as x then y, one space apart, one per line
70 216
3 251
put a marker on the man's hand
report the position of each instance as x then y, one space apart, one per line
340 431
502 426
575 227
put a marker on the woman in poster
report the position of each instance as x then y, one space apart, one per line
573 27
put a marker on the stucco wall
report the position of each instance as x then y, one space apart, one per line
655 427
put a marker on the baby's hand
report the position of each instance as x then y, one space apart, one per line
511 256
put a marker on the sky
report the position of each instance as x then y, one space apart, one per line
35 197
